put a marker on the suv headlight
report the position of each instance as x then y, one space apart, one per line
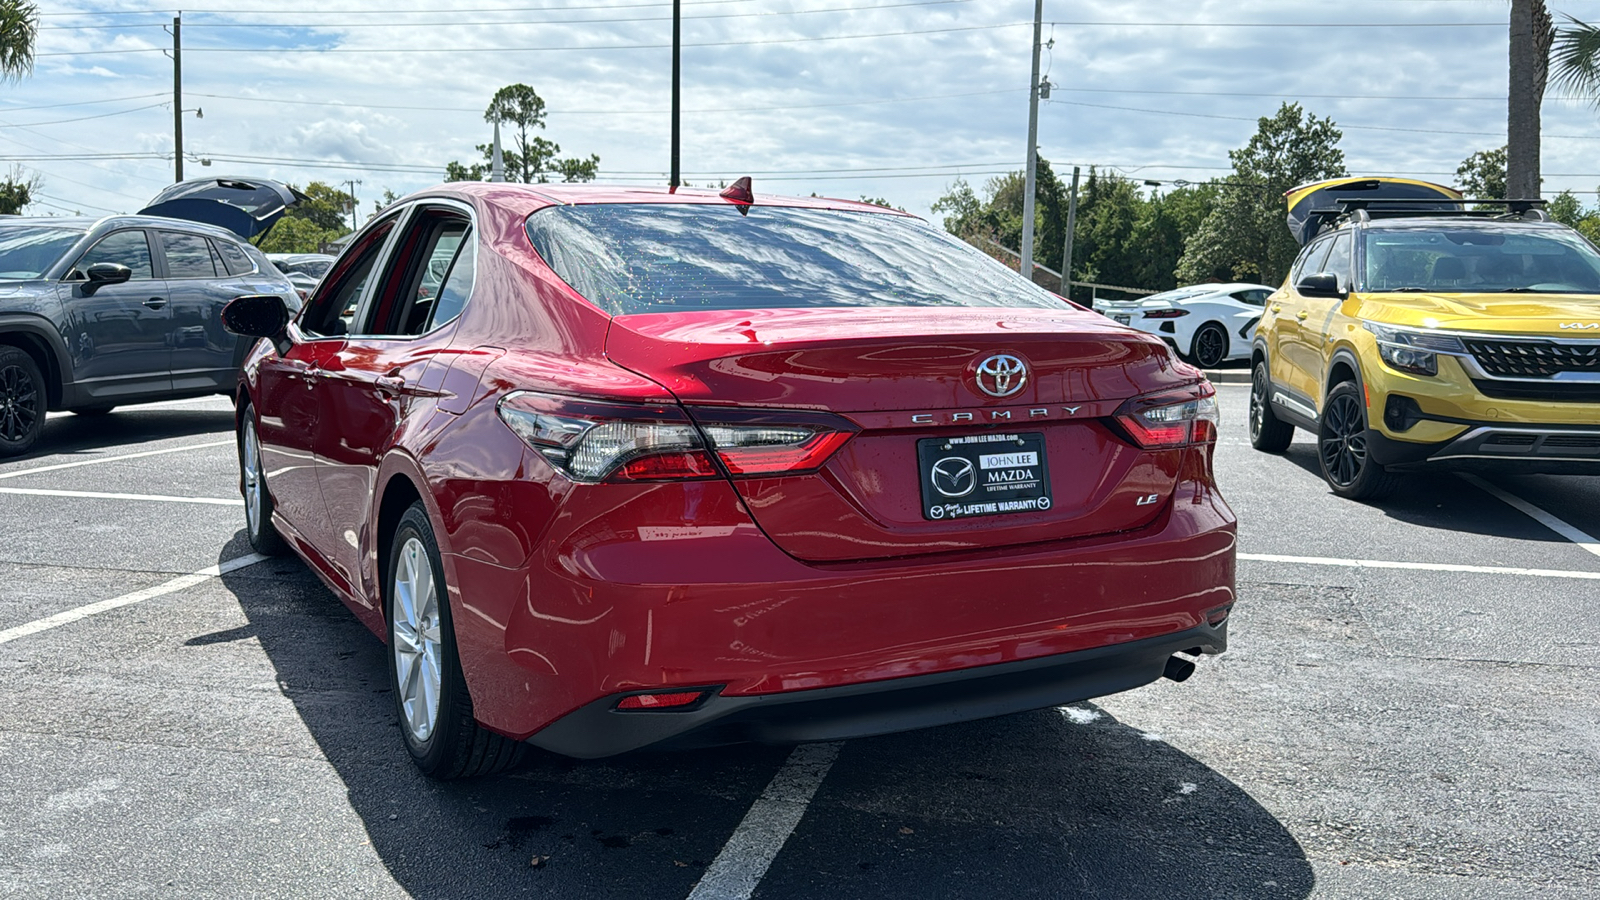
1413 351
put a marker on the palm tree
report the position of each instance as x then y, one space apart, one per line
19 25
1531 35
1576 59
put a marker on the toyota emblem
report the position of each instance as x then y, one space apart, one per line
1002 375
954 477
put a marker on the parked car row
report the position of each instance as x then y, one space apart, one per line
1208 324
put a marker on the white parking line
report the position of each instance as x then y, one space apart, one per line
182 582
1572 534
1419 567
108 459
736 871
98 495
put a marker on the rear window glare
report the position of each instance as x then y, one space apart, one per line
660 257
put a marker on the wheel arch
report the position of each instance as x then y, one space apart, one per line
401 485
1343 366
47 351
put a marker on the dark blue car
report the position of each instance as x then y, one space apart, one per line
97 313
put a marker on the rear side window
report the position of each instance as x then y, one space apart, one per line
659 257
234 258
188 255
125 248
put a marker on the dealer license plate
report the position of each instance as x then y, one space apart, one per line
1122 320
983 475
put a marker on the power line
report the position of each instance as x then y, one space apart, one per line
386 12
4 110
108 115
458 50
616 112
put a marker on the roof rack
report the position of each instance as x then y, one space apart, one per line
1367 208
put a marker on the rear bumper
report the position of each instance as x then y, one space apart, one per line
880 707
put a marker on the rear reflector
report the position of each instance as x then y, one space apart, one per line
660 701
1172 418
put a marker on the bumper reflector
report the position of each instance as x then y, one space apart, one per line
660 701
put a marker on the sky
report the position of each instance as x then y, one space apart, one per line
844 98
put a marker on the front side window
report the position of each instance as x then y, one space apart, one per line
29 251
1477 259
1338 261
125 248
659 257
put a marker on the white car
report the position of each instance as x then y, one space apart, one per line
1206 323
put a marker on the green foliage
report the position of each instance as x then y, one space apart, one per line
1122 237
1243 237
19 27
1575 59
1568 210
528 158
380 204
1482 176
323 217
17 191
879 201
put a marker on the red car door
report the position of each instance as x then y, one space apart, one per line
375 384
287 403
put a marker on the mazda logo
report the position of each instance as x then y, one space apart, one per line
1002 375
954 477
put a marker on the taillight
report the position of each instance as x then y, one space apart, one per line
755 443
594 440
1172 418
1165 313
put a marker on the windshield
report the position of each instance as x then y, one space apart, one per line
657 257
28 251
1458 259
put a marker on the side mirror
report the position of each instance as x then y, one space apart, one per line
102 274
257 316
1323 284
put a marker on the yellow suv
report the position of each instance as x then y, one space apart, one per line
1413 332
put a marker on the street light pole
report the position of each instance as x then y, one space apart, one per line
677 33
1033 146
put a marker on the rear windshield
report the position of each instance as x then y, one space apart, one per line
658 257
1463 259
28 251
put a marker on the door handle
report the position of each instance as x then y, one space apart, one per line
155 303
1301 315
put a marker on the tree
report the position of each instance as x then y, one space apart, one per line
1244 236
1483 175
1531 36
19 27
531 158
323 217
382 203
17 191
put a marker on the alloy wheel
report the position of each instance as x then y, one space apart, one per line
1210 346
1343 442
416 645
19 403
251 463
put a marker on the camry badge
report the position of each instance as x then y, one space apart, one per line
1001 375
954 477
1583 325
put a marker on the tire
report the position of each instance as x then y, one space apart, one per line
432 704
23 402
258 505
93 410
1342 447
1209 347
1268 433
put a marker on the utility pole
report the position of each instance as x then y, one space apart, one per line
1033 148
353 206
177 97
1072 226
677 32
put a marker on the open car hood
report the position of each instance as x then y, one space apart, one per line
245 206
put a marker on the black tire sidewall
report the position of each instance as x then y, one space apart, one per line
454 722
12 356
266 539
1372 478
1274 434
1194 347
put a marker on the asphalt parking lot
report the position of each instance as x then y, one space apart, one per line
1428 727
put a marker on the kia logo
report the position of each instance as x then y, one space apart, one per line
1002 375
954 477
1583 325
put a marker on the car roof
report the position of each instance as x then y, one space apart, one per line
85 223
1495 224
530 195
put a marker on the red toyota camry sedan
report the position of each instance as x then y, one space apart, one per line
609 468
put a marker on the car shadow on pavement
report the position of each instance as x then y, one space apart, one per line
1046 803
71 434
1442 501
